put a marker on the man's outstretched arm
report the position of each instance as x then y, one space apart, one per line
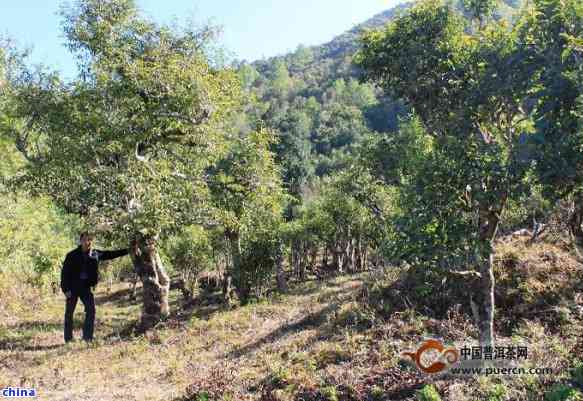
108 255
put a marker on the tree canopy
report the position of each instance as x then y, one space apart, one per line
126 144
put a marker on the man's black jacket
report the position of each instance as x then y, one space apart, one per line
75 263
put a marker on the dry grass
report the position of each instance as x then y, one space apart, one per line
161 364
541 282
321 341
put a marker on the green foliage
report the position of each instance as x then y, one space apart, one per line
472 90
577 373
293 149
346 111
428 393
247 75
126 144
10 162
344 209
35 236
258 259
280 377
551 32
314 102
467 90
151 139
326 75
330 393
562 392
340 126
429 221
248 198
193 251
281 83
497 393
246 181
417 44
42 267
395 159
527 208
479 9
377 392
301 58
202 396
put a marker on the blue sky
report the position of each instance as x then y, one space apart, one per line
252 28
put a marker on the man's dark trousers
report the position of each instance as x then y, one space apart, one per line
89 303
78 275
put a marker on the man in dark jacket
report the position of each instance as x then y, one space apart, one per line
78 275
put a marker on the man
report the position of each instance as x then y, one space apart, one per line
78 275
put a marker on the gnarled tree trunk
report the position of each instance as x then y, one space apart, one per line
576 224
279 273
155 281
482 300
237 274
482 297
313 251
352 256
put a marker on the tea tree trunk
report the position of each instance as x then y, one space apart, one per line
155 282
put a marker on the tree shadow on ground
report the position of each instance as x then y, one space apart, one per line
22 334
207 303
129 330
27 343
180 312
391 384
13 344
308 322
119 298
36 325
42 347
323 324
313 320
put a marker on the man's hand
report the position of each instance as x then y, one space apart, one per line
68 294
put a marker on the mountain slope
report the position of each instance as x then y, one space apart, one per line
334 339
313 99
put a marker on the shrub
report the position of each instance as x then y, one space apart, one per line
332 355
497 393
258 259
562 392
34 239
577 373
330 393
428 393
190 253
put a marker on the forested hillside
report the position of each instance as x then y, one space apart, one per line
303 227
315 99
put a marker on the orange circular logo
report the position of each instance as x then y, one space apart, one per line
451 356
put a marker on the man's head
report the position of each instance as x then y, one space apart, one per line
86 240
